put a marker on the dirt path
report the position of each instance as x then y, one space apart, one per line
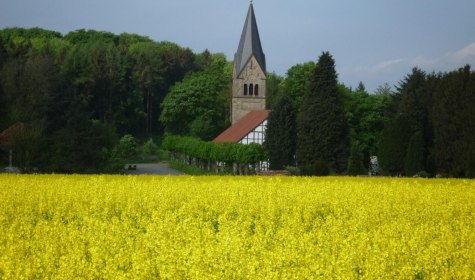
161 168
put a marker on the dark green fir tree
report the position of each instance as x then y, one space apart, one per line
322 130
280 134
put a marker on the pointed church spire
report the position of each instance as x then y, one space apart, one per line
250 44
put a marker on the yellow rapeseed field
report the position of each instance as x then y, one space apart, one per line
147 227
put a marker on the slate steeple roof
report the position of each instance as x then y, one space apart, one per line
250 44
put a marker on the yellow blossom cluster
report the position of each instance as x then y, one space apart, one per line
149 227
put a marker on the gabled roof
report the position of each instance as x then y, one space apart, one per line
249 45
243 127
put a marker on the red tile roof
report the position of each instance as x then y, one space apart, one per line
243 127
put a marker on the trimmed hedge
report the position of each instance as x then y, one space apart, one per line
220 157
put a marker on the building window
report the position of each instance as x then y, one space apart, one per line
251 89
256 90
245 89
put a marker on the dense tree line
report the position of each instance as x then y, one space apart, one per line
77 94
336 128
431 129
425 127
69 99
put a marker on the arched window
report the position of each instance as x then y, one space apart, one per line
256 90
245 89
251 89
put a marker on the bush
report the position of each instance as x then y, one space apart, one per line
126 149
115 166
294 171
422 174
149 148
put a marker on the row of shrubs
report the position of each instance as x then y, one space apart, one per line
225 157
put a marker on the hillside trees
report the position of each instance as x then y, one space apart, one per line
27 84
75 93
147 76
176 63
97 70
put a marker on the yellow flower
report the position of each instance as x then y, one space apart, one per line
128 227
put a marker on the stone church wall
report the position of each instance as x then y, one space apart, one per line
243 103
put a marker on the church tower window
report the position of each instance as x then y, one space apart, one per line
245 89
251 89
256 90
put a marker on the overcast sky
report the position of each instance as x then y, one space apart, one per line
374 41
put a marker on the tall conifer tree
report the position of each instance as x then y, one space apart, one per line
280 134
322 131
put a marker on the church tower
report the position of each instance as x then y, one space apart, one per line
249 74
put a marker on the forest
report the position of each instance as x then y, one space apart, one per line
68 103
76 95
